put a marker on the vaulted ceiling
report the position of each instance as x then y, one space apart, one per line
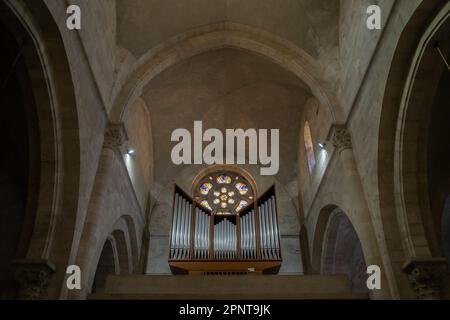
226 89
309 24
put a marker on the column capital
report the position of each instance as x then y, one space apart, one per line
32 277
340 137
115 135
425 276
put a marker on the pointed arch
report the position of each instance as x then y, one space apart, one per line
217 36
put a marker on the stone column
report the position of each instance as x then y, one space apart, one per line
32 277
357 208
426 276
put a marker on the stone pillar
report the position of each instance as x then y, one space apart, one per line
32 277
358 211
426 276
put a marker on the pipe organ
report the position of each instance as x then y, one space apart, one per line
181 227
248 239
204 241
270 244
202 234
225 240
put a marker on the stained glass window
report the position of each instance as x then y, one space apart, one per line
242 204
242 188
204 188
205 203
309 146
222 179
224 193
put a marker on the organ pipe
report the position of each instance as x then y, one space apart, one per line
269 235
192 237
248 243
225 240
174 225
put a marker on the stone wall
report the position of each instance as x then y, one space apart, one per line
98 37
357 45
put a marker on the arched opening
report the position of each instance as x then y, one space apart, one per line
107 265
412 132
19 166
309 146
410 151
123 252
342 251
201 40
437 169
40 123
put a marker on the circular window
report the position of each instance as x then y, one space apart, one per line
224 193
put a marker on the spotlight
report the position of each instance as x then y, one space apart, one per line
131 152
322 145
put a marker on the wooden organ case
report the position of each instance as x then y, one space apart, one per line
205 242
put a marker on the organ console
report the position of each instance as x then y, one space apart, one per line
204 241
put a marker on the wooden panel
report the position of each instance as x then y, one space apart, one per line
223 266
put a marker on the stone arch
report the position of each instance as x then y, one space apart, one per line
319 234
123 252
409 91
342 251
134 246
337 248
124 246
128 251
108 264
20 162
48 229
217 36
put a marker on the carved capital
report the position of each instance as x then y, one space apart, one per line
340 137
426 276
115 136
32 277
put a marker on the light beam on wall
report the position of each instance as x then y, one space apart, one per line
436 46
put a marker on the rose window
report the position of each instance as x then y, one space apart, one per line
224 194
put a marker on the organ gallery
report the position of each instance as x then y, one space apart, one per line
224 228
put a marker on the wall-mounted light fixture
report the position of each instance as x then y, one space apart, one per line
322 145
131 152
